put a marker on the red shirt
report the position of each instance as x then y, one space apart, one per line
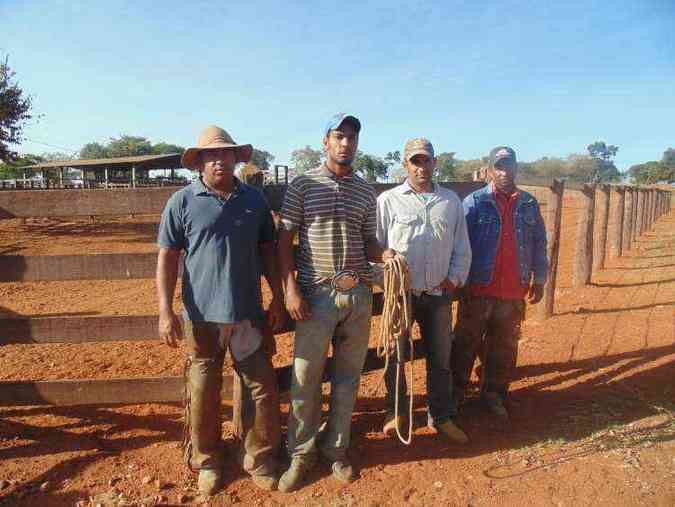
506 275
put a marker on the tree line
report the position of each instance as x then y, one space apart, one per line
594 166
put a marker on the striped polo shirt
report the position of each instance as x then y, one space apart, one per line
336 217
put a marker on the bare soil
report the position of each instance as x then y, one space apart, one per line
593 411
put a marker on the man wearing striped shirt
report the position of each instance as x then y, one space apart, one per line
334 212
425 223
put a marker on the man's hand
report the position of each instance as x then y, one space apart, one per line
276 315
447 286
298 308
170 328
535 294
388 254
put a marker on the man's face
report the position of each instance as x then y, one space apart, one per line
504 175
218 166
341 144
420 169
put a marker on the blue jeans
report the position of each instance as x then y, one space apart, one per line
344 319
433 314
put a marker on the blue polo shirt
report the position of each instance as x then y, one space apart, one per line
220 238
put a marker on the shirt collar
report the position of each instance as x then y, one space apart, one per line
405 188
497 193
202 189
324 171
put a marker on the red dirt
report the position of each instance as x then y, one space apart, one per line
592 423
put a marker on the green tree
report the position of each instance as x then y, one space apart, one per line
15 110
93 150
583 168
646 173
464 169
370 166
445 166
262 159
163 148
14 169
305 159
604 168
667 172
128 146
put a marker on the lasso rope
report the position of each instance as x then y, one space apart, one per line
396 322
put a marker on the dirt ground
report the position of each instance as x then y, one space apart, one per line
593 417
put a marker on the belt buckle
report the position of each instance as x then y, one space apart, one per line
344 281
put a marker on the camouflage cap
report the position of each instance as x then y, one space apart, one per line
419 146
503 156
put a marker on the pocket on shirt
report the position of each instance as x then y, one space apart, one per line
440 227
402 230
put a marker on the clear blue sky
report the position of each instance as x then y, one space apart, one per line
547 78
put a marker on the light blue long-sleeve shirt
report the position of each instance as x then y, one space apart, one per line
430 232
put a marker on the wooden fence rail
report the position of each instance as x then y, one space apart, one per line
95 328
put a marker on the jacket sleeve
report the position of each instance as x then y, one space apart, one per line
460 261
469 205
540 258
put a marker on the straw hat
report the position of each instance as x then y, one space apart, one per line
213 138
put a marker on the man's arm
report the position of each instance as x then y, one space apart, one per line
375 251
276 316
296 305
170 329
460 259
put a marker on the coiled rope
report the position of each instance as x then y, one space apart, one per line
396 323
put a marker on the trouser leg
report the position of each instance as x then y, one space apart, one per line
434 317
349 353
312 339
502 351
204 377
259 413
473 313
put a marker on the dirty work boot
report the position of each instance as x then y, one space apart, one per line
452 431
339 464
210 481
391 422
266 482
495 405
343 471
292 478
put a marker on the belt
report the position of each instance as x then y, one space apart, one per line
344 281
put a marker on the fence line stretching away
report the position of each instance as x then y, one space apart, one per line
83 329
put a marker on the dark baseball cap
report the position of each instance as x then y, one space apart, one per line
503 156
338 119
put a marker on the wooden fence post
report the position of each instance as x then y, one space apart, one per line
583 259
645 214
629 204
616 237
639 203
600 247
554 205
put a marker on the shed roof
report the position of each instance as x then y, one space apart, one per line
170 161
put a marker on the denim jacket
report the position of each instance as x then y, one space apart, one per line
484 225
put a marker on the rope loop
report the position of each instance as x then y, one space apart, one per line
396 323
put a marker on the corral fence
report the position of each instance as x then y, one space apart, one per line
636 211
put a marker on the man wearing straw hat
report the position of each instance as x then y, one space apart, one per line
424 222
226 232
509 265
